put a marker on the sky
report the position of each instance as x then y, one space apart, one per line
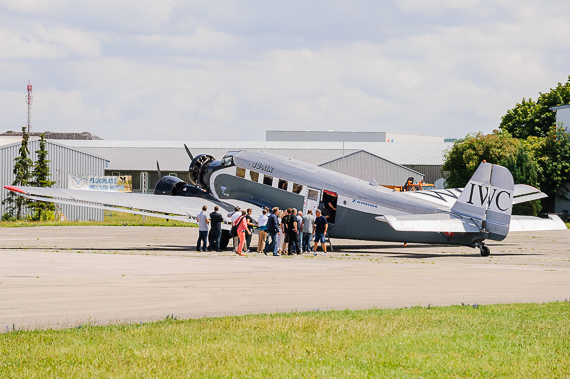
230 70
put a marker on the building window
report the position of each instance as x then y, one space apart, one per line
268 180
283 184
240 172
254 176
173 174
297 188
116 173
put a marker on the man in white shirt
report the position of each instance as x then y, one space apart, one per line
203 222
262 225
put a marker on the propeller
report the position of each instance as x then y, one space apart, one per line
158 169
188 152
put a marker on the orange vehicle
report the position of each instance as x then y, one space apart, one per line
410 186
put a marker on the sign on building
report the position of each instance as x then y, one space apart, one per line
101 183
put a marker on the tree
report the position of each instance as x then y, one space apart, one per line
466 154
16 205
41 173
530 118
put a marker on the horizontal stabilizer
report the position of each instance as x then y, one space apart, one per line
528 223
524 193
439 222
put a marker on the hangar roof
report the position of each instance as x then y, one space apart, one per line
142 155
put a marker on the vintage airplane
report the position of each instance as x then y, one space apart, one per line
355 209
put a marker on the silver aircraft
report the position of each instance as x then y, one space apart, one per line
355 209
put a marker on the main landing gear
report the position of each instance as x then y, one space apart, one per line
485 251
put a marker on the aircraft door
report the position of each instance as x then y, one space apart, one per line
312 200
328 205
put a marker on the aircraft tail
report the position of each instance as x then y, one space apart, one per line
488 199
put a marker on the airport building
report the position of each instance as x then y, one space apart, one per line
64 160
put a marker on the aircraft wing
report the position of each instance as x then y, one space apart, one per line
180 208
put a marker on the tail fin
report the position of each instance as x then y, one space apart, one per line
488 198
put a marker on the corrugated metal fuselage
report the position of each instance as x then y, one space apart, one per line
259 178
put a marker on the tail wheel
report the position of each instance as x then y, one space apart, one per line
485 251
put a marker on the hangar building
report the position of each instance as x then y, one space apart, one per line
64 160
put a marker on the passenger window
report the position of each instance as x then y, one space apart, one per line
313 195
240 172
268 180
297 188
283 184
254 176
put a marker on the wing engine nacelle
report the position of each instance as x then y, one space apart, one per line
169 185
196 170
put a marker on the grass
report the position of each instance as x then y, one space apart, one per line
110 219
515 340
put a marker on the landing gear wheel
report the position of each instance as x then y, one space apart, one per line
485 251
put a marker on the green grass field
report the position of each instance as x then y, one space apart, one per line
518 340
110 219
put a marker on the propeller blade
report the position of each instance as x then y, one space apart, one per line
188 152
158 168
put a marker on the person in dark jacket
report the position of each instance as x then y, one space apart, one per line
272 230
293 232
216 220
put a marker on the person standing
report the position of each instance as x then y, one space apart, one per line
262 225
203 222
284 229
281 237
293 231
320 228
216 220
242 230
272 233
250 225
307 227
300 233
233 217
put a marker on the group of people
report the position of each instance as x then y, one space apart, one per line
281 232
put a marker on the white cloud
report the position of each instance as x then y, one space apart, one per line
201 71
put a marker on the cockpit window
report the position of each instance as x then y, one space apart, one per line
254 176
297 188
227 161
240 172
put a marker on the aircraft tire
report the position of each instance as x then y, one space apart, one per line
485 251
225 239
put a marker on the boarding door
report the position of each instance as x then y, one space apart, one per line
312 201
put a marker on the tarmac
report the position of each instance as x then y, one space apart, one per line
55 277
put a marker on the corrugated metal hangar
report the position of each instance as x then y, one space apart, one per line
64 160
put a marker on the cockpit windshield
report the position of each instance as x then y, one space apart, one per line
228 159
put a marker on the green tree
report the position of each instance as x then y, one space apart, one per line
553 157
16 205
42 210
465 156
530 118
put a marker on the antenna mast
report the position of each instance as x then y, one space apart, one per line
29 100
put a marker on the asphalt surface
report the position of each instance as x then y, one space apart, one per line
67 276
